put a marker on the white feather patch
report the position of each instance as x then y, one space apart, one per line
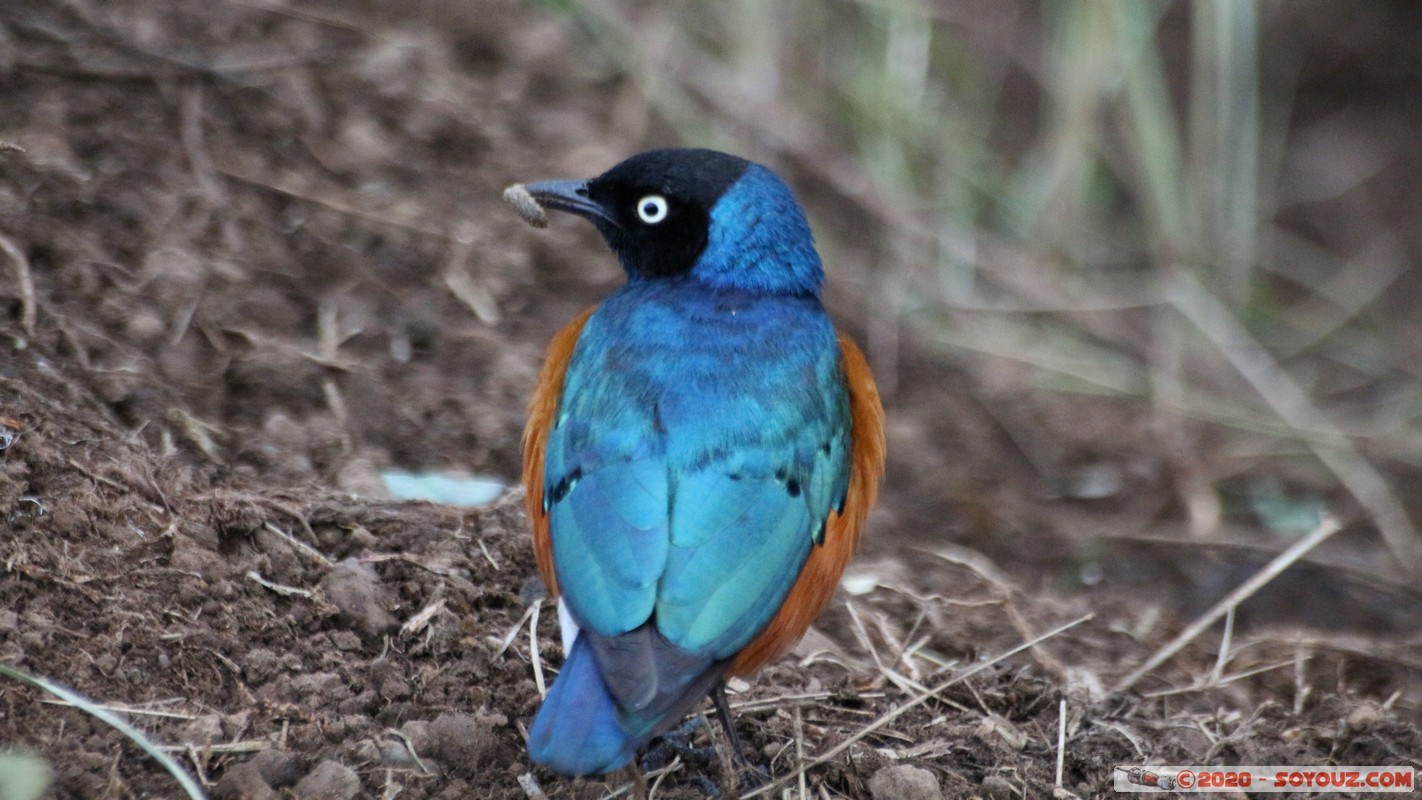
566 626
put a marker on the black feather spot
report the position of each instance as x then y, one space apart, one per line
793 487
564 485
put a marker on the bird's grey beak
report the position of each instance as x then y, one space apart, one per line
569 196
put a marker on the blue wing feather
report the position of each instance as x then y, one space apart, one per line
685 491
679 482
612 588
728 551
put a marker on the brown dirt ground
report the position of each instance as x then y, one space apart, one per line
268 259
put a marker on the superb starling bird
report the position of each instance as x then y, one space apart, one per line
701 450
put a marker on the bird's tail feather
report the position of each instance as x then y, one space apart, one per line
589 725
577 730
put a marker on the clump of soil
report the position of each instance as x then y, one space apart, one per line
251 256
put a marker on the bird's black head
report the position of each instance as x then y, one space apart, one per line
713 216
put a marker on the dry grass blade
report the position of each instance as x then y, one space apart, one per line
1225 641
895 713
1224 680
513 632
1302 687
530 786
179 774
1226 138
862 634
279 588
131 710
422 619
27 284
301 547
800 753
483 548
335 200
1293 406
656 784
533 654
223 748
675 766
410 749
1326 528
1061 740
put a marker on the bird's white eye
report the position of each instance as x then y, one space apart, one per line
652 209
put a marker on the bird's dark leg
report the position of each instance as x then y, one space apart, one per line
723 712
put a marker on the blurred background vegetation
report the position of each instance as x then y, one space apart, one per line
1193 212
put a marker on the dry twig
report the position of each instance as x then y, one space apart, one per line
1326 528
533 653
281 589
26 282
302 547
1294 408
899 711
1061 740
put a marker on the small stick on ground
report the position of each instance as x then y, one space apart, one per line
513 632
862 634
1223 658
301 547
1061 740
420 620
637 775
533 654
190 786
639 787
410 748
1302 688
1003 586
676 762
800 753
127 710
490 556
895 713
27 283
281 589
300 518
530 786
331 199
1328 443
228 748
1327 526
1200 686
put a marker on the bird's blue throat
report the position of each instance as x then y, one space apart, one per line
759 240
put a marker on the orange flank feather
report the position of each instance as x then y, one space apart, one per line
820 576
821 573
535 439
